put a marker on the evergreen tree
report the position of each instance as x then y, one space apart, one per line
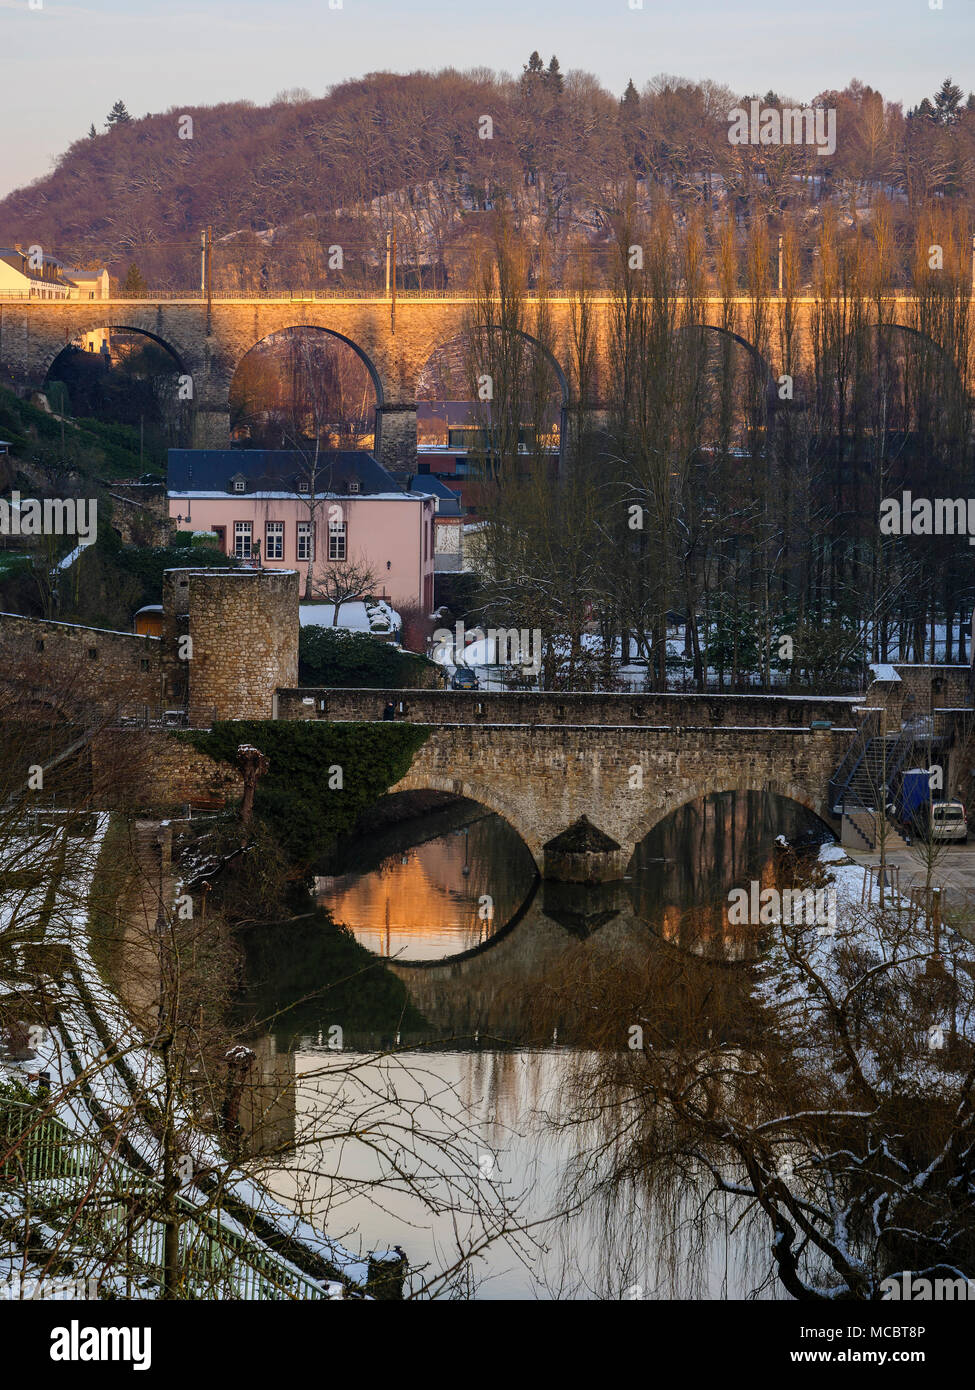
532 75
630 122
92 132
553 77
134 284
947 102
925 110
118 115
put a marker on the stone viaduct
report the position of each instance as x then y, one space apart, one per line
209 341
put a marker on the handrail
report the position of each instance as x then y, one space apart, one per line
853 756
52 1154
457 294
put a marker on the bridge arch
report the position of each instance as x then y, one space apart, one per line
446 344
762 368
116 325
781 787
330 358
910 331
233 360
425 386
474 790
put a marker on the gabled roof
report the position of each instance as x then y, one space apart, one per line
278 470
448 501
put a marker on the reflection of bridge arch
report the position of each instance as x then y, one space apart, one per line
483 947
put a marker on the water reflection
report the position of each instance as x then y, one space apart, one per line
441 893
438 897
494 1112
580 965
684 869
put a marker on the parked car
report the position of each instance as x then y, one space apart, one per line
948 822
464 679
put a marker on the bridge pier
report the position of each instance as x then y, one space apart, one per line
582 853
395 446
211 427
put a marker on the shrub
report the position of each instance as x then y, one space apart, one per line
337 657
294 796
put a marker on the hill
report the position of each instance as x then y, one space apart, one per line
284 185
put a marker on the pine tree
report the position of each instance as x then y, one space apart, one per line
92 132
947 102
532 75
553 77
118 115
630 121
134 284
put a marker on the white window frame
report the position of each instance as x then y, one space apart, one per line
337 540
274 540
243 531
306 541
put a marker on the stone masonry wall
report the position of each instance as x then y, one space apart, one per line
541 779
938 687
65 665
157 769
549 707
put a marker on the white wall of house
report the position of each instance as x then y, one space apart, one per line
14 283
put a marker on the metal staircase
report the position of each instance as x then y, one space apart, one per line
865 781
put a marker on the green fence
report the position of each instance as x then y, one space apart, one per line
117 1221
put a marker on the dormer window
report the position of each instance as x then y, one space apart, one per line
238 483
353 487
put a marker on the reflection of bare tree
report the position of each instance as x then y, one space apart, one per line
838 1117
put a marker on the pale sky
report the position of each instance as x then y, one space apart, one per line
64 64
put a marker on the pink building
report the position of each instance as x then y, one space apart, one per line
261 505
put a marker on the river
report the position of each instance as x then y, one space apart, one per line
462 1115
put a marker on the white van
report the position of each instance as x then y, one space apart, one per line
948 823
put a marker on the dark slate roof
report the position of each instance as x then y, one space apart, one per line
448 501
275 470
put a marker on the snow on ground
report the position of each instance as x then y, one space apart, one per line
108 1085
863 939
370 616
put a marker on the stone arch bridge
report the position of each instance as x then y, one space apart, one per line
543 760
209 341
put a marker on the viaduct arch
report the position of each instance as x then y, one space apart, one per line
209 341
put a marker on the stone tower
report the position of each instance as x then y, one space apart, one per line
242 627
